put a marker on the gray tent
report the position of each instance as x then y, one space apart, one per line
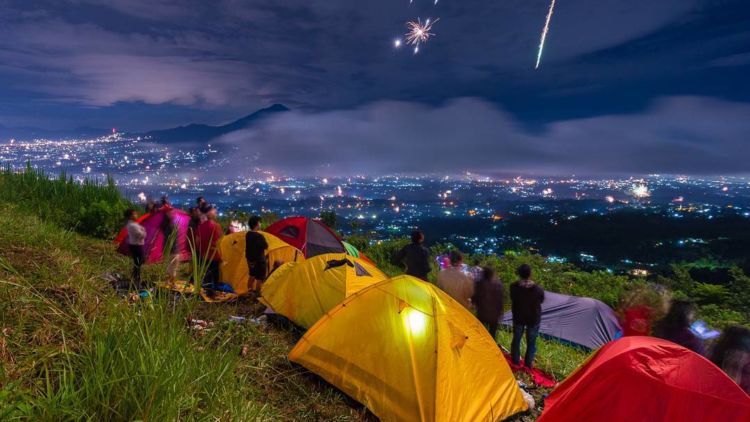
581 321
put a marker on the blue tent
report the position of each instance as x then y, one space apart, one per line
580 321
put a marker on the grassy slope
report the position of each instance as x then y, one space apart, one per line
71 349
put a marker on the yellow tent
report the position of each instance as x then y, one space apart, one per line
305 291
409 352
234 269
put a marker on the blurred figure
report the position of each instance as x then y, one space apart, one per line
732 354
195 219
637 313
164 203
151 206
206 243
136 240
171 241
488 298
255 252
415 257
455 282
675 326
526 302
200 202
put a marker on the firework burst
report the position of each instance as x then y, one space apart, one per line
419 32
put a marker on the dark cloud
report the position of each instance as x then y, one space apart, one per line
320 53
674 135
145 64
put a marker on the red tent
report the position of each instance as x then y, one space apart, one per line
646 379
155 239
310 236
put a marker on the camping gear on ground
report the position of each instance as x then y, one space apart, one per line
538 376
156 238
305 291
234 270
310 236
580 321
647 379
409 352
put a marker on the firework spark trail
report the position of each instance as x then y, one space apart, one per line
419 32
544 34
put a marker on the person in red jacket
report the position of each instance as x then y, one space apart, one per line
205 240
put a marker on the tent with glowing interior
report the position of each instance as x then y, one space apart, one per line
646 379
157 239
409 352
580 321
309 235
234 271
305 291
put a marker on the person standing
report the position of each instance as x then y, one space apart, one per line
731 353
415 257
455 282
675 326
136 241
489 300
526 304
256 247
206 242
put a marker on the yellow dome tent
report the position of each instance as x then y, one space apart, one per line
234 269
409 352
305 291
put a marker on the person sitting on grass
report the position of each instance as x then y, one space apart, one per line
526 303
255 253
455 282
136 241
488 298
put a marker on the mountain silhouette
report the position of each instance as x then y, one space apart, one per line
195 133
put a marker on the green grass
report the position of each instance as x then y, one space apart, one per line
71 349
88 207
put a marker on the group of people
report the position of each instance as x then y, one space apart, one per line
731 352
204 235
486 295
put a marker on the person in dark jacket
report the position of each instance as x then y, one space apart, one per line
488 299
136 242
415 257
675 326
526 303
731 353
255 252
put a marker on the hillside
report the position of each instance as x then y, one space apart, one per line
71 347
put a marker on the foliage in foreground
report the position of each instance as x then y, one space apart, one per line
88 207
72 349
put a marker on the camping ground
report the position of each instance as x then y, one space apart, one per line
72 348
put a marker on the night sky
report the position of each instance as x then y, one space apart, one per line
625 86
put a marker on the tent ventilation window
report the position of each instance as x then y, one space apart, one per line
361 271
290 231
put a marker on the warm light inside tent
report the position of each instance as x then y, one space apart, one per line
415 321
